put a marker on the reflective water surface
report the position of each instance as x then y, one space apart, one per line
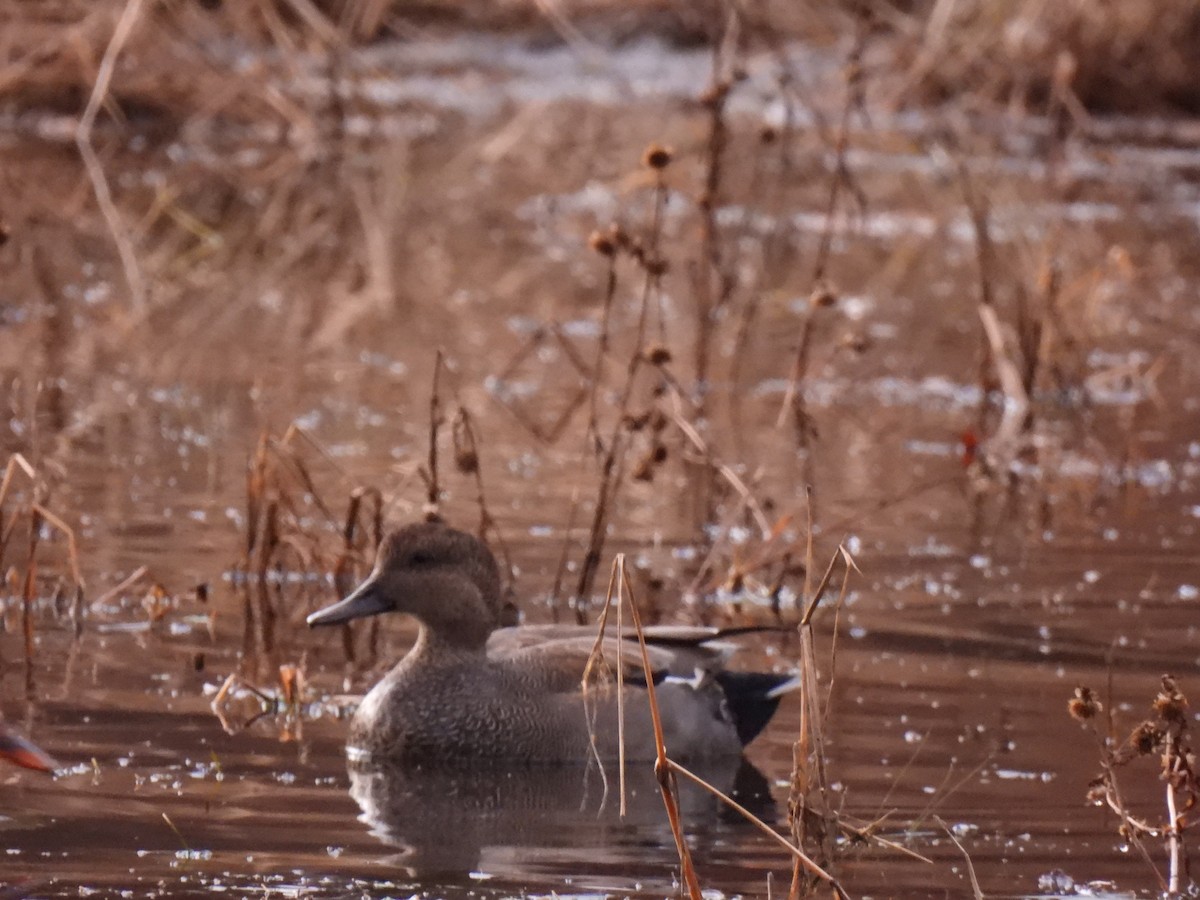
307 277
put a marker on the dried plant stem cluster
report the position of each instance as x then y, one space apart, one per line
1164 737
30 517
621 594
293 536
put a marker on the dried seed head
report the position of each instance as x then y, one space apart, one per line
767 134
603 244
855 341
714 95
657 355
466 461
822 296
1170 704
656 266
1146 738
1084 705
657 156
4 233
638 422
644 470
658 454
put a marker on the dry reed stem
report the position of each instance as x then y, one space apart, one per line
665 767
28 593
72 543
468 460
83 141
797 854
597 375
572 36
1013 420
843 179
975 889
38 513
564 556
433 494
712 264
734 480
809 765
127 582
984 256
866 834
318 23
596 658
662 765
612 467
15 462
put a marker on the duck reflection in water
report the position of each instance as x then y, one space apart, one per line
448 822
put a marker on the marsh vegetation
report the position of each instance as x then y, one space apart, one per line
886 305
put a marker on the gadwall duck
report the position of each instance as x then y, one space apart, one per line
471 689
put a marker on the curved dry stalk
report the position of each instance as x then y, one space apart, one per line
72 543
91 162
966 856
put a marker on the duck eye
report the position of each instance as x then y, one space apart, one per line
420 558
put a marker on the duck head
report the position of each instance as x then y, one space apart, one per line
446 578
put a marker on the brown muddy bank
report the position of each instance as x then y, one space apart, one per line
199 60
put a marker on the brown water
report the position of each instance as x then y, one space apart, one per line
445 200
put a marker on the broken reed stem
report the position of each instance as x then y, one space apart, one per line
433 492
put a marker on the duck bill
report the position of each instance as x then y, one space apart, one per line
367 600
25 753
